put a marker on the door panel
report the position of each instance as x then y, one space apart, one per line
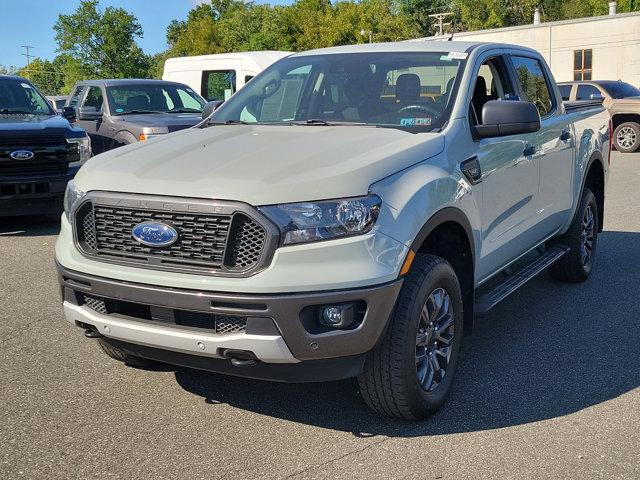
510 190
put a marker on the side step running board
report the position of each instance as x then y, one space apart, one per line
486 301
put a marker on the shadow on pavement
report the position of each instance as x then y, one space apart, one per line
30 226
550 350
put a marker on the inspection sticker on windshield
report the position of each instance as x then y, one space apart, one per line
415 122
457 55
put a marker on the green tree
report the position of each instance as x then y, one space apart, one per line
46 75
103 42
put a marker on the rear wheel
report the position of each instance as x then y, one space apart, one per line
409 374
118 354
582 240
626 137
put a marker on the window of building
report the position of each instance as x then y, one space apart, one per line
534 84
585 92
582 61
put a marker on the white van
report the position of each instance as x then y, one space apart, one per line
217 77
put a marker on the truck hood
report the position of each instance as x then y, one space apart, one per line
170 121
32 123
260 164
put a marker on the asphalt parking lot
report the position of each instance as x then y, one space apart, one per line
547 388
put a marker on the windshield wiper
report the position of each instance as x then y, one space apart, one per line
229 122
184 110
17 112
312 121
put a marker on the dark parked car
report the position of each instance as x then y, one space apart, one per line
123 111
40 151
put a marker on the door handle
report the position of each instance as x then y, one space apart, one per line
565 135
529 150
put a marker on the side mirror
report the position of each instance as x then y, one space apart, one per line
508 117
211 107
89 113
69 113
596 97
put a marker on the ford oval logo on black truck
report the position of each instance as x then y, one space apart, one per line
154 234
22 155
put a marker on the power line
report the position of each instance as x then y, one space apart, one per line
28 55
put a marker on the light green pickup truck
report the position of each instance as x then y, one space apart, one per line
345 214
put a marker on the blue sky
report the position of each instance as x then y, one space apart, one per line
30 22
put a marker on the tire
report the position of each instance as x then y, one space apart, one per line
626 137
573 267
389 383
121 356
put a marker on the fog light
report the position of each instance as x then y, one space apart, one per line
337 316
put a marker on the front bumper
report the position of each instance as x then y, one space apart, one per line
277 326
34 194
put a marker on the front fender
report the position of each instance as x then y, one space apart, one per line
421 197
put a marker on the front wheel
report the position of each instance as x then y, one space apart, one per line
409 374
626 137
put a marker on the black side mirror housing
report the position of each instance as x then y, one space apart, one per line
89 113
211 107
69 113
508 117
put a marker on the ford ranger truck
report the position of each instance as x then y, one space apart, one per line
345 214
40 151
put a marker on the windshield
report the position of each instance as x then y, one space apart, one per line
620 89
20 97
401 90
153 98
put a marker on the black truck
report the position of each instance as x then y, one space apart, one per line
40 151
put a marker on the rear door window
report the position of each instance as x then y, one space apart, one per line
218 84
585 92
533 84
565 92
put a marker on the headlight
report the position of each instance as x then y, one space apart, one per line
71 196
313 221
84 146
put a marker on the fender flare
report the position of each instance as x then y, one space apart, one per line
124 137
447 214
595 157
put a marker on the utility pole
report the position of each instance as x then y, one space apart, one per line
29 57
364 33
440 19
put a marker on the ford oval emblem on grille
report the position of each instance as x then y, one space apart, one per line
154 234
22 155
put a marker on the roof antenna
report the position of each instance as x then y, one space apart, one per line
450 37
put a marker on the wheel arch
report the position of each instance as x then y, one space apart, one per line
448 234
594 180
619 118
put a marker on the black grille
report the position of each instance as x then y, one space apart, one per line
220 324
95 303
30 167
52 155
31 140
203 239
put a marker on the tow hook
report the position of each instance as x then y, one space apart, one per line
240 358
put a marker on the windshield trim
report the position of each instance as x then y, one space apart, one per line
19 81
112 107
226 110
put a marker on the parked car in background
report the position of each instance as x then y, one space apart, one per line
329 221
217 77
123 111
57 101
621 99
40 151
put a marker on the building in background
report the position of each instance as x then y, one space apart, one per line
595 48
